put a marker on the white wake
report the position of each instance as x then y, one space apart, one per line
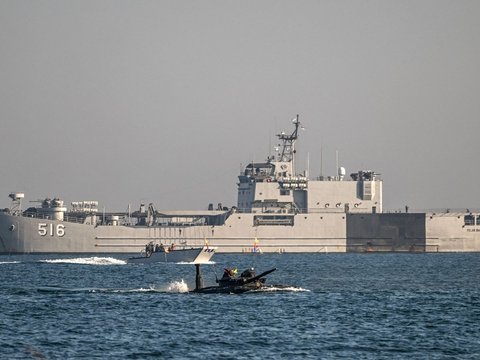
177 287
273 288
87 261
210 262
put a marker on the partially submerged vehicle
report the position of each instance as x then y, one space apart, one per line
230 284
155 253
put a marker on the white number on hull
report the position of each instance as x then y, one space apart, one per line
50 229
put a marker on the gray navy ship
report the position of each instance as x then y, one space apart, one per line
278 210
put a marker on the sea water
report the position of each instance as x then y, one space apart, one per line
350 306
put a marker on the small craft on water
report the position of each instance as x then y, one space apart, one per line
231 284
155 253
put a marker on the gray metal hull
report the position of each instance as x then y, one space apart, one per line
316 232
238 234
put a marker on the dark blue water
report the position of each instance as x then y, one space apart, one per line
358 306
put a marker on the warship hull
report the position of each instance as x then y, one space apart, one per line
325 233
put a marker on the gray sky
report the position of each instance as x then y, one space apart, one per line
161 101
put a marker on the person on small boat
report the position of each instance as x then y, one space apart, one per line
167 249
230 278
149 249
226 274
229 274
248 274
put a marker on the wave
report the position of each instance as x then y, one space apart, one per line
177 287
173 287
87 261
210 262
94 261
57 289
280 288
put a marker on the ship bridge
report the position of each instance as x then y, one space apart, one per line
258 172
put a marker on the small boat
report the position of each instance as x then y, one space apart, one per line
172 254
228 284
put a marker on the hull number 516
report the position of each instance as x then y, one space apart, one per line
51 229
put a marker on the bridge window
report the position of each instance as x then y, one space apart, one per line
284 192
469 220
478 220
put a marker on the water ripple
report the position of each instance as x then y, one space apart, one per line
376 306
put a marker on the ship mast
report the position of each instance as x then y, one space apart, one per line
287 153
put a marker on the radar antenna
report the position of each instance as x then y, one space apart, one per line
287 151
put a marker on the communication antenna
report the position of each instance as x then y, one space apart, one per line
288 145
269 144
336 162
321 161
308 165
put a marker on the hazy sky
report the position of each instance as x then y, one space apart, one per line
161 101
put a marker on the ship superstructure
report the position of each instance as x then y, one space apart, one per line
278 210
274 187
